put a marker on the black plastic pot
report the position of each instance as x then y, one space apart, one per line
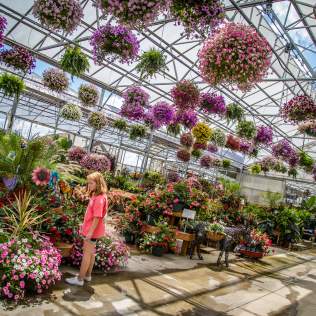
158 251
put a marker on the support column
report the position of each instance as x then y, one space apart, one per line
11 114
145 160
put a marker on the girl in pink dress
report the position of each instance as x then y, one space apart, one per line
93 226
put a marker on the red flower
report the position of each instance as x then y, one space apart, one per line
68 231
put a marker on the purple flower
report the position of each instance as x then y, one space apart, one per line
96 162
55 80
285 151
186 140
173 176
3 24
76 153
185 95
198 145
212 148
114 42
264 135
160 114
187 118
206 161
212 103
245 146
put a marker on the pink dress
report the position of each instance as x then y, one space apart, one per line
97 207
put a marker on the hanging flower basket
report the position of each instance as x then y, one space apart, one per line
234 112
18 58
308 127
246 129
55 80
174 129
76 153
197 16
183 155
206 161
212 148
114 43
255 169
196 153
163 112
11 85
120 124
88 95
202 132
245 146
185 95
202 146
226 163
215 236
264 135
283 150
58 15
186 140
135 100
71 112
137 131
306 161
97 120
236 55
173 176
187 118
151 63
298 109
212 103
96 162
3 24
233 142
218 137
133 13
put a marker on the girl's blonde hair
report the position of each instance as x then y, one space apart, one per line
101 186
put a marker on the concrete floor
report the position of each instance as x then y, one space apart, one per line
281 285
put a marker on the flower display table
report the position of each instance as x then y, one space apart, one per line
151 229
187 238
251 254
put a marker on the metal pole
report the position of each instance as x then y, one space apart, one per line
145 160
11 114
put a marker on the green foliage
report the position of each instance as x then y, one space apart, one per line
137 131
230 187
152 178
196 153
273 198
151 62
226 163
64 143
306 161
174 129
246 129
255 169
216 228
74 61
120 124
310 204
234 112
11 85
181 191
292 173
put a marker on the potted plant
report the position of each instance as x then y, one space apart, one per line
202 132
71 112
97 120
11 85
137 131
88 95
308 127
187 118
183 155
120 124
212 103
185 95
215 231
55 80
246 129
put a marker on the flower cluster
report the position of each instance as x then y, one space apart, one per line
314 172
58 15
299 108
186 140
71 112
185 95
212 148
160 114
3 24
218 137
111 254
187 118
245 146
97 120
198 16
233 142
88 95
202 132
212 103
135 99
308 127
183 155
114 42
259 242
133 13
246 129
198 145
264 135
284 150
173 176
96 162
27 266
206 161
235 55
40 176
55 80
19 58
76 153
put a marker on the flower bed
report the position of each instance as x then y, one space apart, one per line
236 56
114 43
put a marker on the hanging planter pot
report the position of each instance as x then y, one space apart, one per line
10 183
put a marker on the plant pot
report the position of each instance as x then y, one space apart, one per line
214 236
158 251
10 183
178 206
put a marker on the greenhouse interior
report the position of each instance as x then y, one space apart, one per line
156 157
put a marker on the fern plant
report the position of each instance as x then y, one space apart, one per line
11 85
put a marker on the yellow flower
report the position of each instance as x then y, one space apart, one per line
202 132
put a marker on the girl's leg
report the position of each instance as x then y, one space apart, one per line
92 259
88 251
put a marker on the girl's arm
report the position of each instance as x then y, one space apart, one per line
93 226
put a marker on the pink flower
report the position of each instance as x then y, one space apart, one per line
22 284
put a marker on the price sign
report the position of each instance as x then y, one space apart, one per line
189 214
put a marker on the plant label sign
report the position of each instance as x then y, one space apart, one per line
189 214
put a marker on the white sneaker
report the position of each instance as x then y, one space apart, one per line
87 278
74 281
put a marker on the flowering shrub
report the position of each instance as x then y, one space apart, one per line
19 58
202 132
308 127
40 176
151 62
283 150
133 13
183 155
234 112
187 118
71 112
246 129
202 146
235 55
161 114
137 131
111 254
212 148
55 80
96 162
135 99
185 95
198 16
212 103
173 176
58 15
97 120
232 142
3 24
76 153
186 140
218 137
88 95
114 42
264 135
299 108
27 267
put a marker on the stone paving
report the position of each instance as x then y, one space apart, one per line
280 285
